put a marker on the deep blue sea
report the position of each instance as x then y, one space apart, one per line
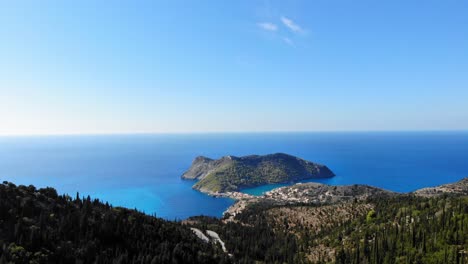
143 171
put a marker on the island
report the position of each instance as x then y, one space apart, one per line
230 173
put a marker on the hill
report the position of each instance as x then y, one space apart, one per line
460 187
323 194
232 173
316 223
40 226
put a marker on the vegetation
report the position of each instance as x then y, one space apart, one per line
407 230
249 171
39 226
253 242
400 229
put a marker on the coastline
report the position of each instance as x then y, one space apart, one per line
320 194
110 168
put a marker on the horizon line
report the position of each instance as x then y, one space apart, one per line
229 132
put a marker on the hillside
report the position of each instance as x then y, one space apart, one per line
233 173
399 229
323 194
338 224
39 226
308 193
460 187
315 223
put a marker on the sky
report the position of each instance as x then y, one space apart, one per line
91 67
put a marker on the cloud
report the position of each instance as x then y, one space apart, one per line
291 25
268 26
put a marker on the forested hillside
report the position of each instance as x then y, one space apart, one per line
39 226
400 229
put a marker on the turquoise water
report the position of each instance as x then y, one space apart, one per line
264 188
258 191
143 171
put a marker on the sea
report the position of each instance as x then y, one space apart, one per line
143 171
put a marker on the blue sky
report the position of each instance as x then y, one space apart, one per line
71 67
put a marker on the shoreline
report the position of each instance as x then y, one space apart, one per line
319 193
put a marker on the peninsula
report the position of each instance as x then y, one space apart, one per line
230 173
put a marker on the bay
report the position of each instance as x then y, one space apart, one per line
143 171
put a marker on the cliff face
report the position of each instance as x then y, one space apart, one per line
202 166
231 173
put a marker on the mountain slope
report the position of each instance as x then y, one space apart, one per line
39 226
323 194
460 187
316 223
363 224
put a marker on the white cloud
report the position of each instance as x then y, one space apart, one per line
291 25
268 26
